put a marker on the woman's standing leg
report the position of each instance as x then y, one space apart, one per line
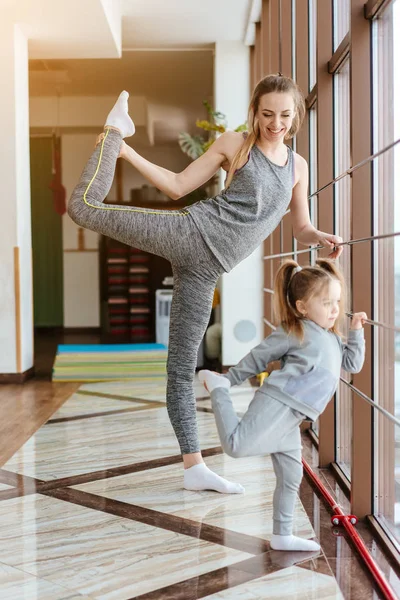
190 313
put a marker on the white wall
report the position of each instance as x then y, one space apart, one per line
241 289
81 289
15 228
80 111
170 157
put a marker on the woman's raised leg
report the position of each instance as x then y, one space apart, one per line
155 231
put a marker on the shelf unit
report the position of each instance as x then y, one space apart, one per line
129 279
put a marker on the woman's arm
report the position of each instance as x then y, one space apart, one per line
303 230
176 185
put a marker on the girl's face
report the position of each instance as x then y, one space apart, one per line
324 308
275 113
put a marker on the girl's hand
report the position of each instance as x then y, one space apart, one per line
358 320
329 241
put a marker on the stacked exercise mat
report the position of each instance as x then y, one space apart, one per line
109 362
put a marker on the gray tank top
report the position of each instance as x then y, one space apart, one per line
235 222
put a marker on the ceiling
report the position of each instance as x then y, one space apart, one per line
167 57
182 23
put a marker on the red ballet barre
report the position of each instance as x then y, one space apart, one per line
348 522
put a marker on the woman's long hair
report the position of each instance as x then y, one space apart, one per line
291 285
271 83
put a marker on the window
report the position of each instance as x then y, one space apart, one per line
386 198
312 44
341 21
342 204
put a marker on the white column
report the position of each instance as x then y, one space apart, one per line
16 310
241 289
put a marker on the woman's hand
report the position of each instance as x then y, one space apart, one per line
122 150
330 241
309 236
121 154
358 320
99 139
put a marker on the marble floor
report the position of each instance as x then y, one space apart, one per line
92 506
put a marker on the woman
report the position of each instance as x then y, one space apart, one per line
210 237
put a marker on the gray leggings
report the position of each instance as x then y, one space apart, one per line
267 427
173 235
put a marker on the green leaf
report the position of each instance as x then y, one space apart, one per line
242 127
219 117
192 145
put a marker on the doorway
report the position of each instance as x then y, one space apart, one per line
47 247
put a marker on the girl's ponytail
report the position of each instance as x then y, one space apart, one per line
330 267
285 311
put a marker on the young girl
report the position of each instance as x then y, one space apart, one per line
308 305
210 237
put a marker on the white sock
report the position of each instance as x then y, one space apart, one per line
212 380
200 477
292 543
119 117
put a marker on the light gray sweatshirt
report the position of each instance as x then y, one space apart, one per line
310 369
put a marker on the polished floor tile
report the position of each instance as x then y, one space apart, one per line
154 390
75 447
293 583
161 489
4 486
98 554
127 528
80 404
128 389
18 585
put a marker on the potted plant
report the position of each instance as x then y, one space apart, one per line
195 145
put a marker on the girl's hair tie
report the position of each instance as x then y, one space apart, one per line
296 270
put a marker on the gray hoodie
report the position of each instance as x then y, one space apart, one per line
310 369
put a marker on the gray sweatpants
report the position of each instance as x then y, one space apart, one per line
267 427
173 235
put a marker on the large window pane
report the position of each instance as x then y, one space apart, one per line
386 83
341 20
313 175
312 43
342 198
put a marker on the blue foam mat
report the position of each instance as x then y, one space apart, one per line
68 348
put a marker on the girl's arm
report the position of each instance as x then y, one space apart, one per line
176 185
272 348
303 230
354 349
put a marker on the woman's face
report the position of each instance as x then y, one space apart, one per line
275 112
